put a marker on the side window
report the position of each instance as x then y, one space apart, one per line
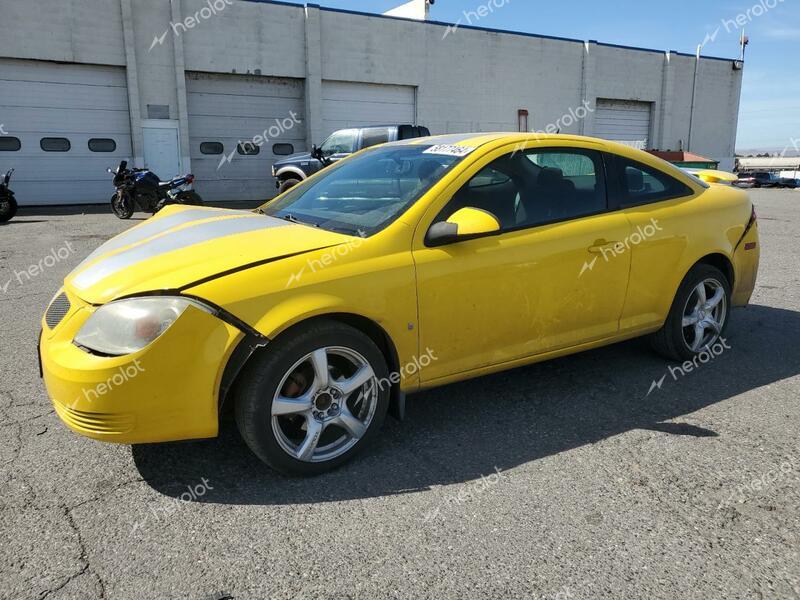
568 184
488 176
374 136
525 189
340 142
641 184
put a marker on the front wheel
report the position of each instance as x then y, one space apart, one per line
287 184
698 317
8 208
122 205
313 399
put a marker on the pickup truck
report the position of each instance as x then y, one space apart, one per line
291 170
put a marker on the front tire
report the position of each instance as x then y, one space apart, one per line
699 315
8 208
313 399
122 205
287 184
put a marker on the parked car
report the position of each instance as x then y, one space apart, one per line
290 171
764 179
745 180
788 182
408 266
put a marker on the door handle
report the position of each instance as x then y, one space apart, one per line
599 245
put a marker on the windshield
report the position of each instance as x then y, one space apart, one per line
340 142
364 194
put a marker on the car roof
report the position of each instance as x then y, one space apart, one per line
502 138
475 140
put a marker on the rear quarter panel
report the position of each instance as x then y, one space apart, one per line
711 222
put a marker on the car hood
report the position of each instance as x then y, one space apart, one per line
294 158
182 246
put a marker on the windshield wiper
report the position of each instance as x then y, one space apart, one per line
292 219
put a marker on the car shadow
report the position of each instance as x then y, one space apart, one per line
16 221
463 431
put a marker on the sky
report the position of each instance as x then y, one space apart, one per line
770 109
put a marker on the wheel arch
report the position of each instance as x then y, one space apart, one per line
285 173
721 262
247 349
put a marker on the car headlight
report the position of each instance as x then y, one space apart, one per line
127 326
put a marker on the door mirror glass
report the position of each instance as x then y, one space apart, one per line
463 224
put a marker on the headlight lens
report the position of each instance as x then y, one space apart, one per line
127 326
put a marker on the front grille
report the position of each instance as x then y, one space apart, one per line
98 423
57 310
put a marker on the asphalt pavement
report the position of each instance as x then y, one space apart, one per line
557 481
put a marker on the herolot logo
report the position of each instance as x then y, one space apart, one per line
213 8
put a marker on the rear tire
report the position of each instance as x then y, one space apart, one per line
190 198
698 318
313 399
122 205
288 184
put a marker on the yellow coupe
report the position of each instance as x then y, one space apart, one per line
406 266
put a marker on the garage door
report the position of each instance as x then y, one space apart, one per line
239 126
71 123
347 104
624 121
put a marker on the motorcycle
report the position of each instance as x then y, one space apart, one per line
143 188
8 204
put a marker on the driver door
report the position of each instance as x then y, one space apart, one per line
541 284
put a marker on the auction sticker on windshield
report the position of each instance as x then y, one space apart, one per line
449 150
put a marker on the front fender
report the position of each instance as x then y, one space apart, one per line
274 297
290 171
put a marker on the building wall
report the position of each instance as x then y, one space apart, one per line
467 79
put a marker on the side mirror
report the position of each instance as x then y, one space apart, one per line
464 224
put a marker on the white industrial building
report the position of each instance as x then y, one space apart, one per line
176 85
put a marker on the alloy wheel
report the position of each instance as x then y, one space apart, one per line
324 404
704 315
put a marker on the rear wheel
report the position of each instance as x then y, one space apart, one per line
314 399
122 205
190 198
698 317
287 184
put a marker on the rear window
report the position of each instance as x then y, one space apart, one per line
406 132
374 136
637 183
